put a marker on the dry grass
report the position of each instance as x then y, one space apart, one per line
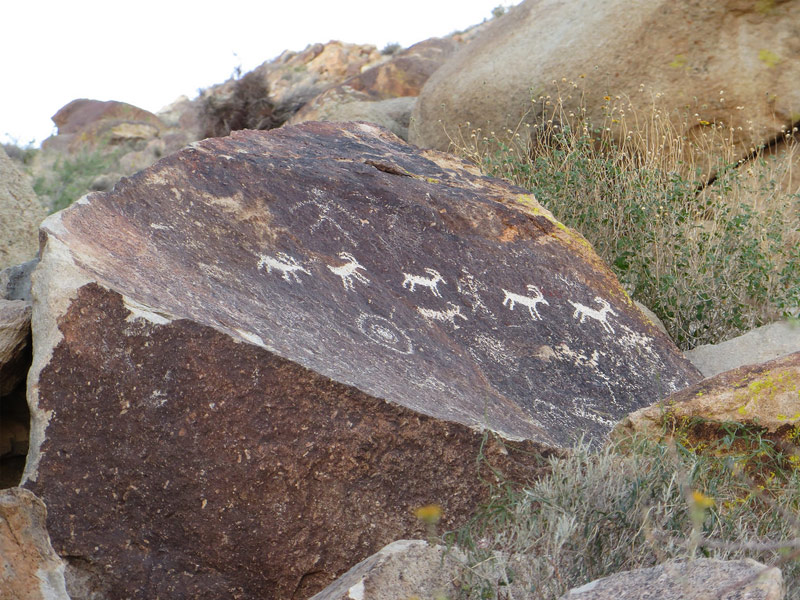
709 241
635 504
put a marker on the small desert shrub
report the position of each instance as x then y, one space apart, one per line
247 106
713 249
69 178
21 153
391 48
635 504
499 11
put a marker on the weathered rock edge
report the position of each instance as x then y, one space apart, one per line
29 568
688 580
765 395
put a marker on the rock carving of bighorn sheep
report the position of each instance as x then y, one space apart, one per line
411 281
288 266
598 315
349 271
446 316
530 301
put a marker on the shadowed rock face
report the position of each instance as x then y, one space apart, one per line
255 358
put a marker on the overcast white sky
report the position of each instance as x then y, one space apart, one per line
148 52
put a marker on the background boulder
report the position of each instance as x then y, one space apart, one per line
383 94
766 396
401 570
754 347
730 63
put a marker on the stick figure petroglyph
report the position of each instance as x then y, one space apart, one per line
446 316
432 282
468 286
349 271
287 265
601 315
530 301
327 210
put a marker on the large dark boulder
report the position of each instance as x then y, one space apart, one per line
254 359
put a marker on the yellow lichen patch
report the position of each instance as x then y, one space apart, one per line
765 6
679 62
534 208
768 57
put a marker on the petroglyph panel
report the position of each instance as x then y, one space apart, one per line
379 275
339 306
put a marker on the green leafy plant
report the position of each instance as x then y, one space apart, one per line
391 48
70 177
499 11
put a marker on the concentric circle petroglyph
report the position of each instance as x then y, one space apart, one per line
382 331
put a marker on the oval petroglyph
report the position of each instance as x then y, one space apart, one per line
382 331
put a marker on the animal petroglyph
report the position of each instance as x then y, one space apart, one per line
582 312
349 271
285 264
382 331
446 316
530 301
432 282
